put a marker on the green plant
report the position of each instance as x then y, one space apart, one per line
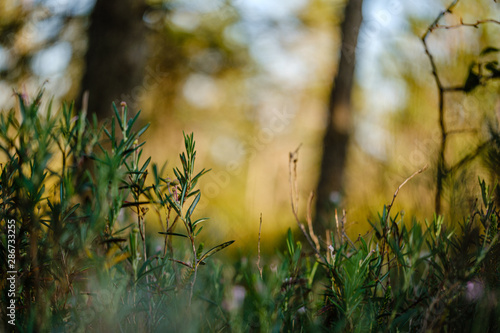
409 276
81 198
79 195
415 278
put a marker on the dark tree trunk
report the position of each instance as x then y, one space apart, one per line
338 130
116 56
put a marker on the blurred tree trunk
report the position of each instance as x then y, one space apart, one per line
116 56
338 129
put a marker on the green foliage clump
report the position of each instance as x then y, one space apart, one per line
409 277
79 196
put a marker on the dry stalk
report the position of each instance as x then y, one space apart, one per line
258 248
344 234
401 185
294 198
339 234
309 221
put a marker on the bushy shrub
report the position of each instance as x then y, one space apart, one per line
79 194
410 277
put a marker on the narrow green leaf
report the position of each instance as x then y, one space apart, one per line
156 178
200 220
142 130
193 205
135 204
118 117
173 204
198 232
44 222
143 273
201 173
184 163
195 192
183 194
365 247
172 234
71 211
113 136
123 229
113 240
124 118
127 152
140 145
178 175
215 249
289 242
22 106
131 121
145 165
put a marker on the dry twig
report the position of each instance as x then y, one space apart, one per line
294 197
309 221
258 247
462 24
401 185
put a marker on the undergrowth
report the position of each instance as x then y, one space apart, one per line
81 195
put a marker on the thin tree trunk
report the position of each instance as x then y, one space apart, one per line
338 130
114 66
116 56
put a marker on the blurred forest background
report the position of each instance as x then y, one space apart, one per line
253 80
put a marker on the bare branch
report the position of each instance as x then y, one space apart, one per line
462 24
441 167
